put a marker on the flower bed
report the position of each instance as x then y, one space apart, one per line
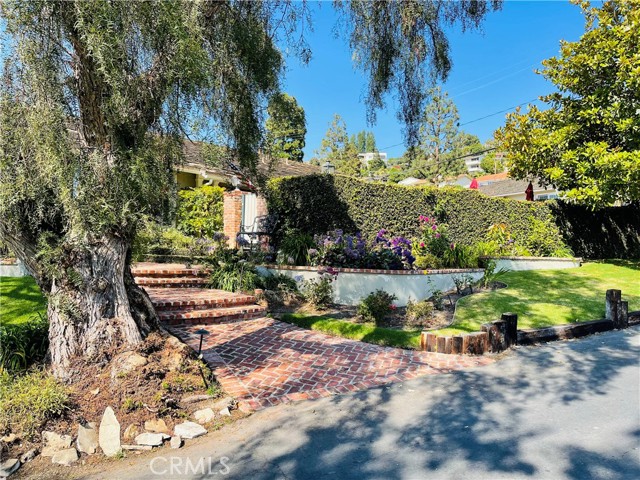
351 285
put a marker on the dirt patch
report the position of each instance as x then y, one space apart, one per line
137 391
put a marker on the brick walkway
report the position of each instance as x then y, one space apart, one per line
264 362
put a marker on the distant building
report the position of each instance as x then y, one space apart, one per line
472 162
500 185
368 156
462 180
413 182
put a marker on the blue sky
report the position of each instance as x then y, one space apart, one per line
492 71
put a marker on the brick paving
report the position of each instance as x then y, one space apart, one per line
264 362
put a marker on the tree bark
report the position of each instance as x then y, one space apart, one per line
96 309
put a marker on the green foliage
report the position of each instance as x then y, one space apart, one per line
295 246
336 148
286 128
131 405
587 141
376 306
491 274
437 298
199 212
318 291
418 312
29 400
232 270
364 141
279 288
23 344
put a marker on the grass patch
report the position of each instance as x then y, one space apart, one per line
20 300
543 298
28 401
354 331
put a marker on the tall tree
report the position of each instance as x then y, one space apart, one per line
439 136
286 128
337 148
96 98
364 141
587 143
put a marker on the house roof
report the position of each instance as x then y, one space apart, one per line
412 181
496 177
281 168
510 187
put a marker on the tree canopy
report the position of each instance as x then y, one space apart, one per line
587 142
286 128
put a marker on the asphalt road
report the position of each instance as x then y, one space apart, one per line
566 410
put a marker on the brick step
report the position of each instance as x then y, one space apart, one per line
171 282
167 270
195 298
212 316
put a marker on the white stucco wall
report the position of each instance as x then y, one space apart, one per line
13 270
536 263
351 287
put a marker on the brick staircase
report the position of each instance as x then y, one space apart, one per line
177 294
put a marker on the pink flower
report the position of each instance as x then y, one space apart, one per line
392 306
434 227
437 235
421 244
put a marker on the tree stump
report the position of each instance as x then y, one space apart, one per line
477 343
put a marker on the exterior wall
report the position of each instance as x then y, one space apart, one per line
352 285
536 263
16 269
232 215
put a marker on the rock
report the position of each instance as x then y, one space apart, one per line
176 442
157 426
203 416
222 403
194 398
87 440
8 439
28 456
109 433
127 362
137 447
225 412
54 443
95 392
65 457
9 466
189 430
131 431
151 439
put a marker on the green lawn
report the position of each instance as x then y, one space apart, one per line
20 300
355 331
550 297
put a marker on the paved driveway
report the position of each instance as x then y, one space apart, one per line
264 362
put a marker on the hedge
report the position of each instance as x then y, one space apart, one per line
316 204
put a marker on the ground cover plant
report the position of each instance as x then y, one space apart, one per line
550 297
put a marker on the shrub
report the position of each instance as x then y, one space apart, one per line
29 400
319 291
23 344
200 211
491 274
376 306
355 205
418 312
437 298
279 288
295 247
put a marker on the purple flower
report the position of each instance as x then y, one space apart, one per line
434 227
437 235
298 278
313 252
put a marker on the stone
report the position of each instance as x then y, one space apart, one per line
189 430
194 398
156 425
151 439
131 431
127 362
54 442
9 466
225 412
65 457
8 439
176 442
222 403
95 392
203 416
87 440
109 433
28 456
137 447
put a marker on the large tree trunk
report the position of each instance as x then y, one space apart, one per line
96 309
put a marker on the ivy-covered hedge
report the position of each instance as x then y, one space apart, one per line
316 204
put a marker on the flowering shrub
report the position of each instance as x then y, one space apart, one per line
319 291
376 306
338 249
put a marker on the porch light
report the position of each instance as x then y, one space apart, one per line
235 181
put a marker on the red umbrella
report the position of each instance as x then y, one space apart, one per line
474 184
529 192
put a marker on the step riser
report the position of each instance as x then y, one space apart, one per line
161 307
171 274
213 321
195 314
198 284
